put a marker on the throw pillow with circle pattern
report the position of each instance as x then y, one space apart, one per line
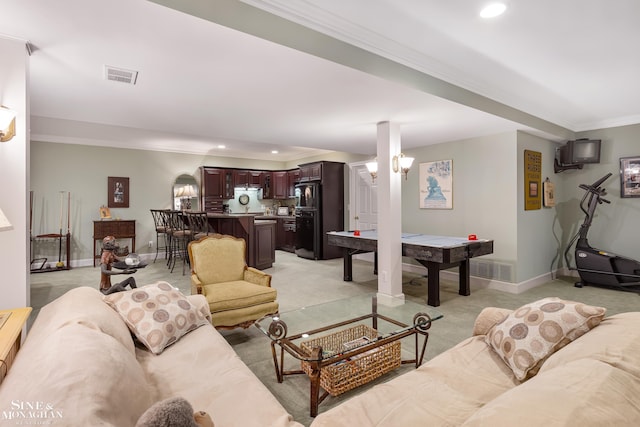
533 332
158 314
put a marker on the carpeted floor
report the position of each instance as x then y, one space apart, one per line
302 282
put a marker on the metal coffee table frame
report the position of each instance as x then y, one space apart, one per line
277 332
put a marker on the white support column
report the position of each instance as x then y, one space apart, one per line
389 212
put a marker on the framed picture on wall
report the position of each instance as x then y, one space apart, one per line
436 185
105 213
118 192
630 176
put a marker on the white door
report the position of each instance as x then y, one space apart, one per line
363 200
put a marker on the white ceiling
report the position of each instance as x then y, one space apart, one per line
567 65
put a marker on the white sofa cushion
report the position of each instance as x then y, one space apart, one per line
445 391
81 305
585 392
615 341
83 376
205 370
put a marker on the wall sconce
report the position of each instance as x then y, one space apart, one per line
372 167
5 225
403 163
7 124
398 163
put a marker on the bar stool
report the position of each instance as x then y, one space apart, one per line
199 224
180 237
161 230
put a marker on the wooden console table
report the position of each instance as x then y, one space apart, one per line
11 337
120 229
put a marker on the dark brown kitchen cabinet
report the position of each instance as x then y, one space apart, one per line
265 241
241 178
248 178
293 177
217 185
267 185
311 172
213 182
280 185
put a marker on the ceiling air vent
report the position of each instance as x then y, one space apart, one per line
120 75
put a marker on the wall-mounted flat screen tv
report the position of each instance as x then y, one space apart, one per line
580 151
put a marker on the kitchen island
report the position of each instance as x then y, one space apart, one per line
258 231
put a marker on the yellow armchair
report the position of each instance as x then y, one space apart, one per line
237 295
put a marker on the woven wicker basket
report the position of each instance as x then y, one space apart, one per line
358 370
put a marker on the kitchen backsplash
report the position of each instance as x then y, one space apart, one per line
256 203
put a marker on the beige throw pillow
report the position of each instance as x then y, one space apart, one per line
158 314
526 337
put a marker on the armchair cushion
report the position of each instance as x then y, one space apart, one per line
237 294
227 251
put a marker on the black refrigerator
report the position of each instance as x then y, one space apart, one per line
320 209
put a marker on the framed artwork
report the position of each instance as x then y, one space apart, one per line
532 180
630 176
549 195
436 185
105 213
118 192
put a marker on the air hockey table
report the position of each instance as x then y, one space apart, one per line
434 252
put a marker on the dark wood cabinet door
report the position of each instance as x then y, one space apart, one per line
241 178
212 183
315 171
293 177
267 185
280 187
228 185
256 179
311 172
265 239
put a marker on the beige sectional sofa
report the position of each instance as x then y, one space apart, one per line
79 366
592 381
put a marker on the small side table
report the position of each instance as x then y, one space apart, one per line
11 337
118 228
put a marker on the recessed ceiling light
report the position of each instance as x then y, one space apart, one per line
492 10
274 151
222 147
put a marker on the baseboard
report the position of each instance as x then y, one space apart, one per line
89 262
481 282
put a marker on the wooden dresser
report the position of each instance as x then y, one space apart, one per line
11 337
120 229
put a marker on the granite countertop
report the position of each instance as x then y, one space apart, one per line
258 216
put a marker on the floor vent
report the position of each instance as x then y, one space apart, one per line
120 75
492 270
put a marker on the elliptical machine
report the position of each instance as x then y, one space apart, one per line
595 266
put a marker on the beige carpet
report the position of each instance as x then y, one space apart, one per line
302 282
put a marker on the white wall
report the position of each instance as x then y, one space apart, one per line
539 234
14 175
83 170
484 192
616 227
